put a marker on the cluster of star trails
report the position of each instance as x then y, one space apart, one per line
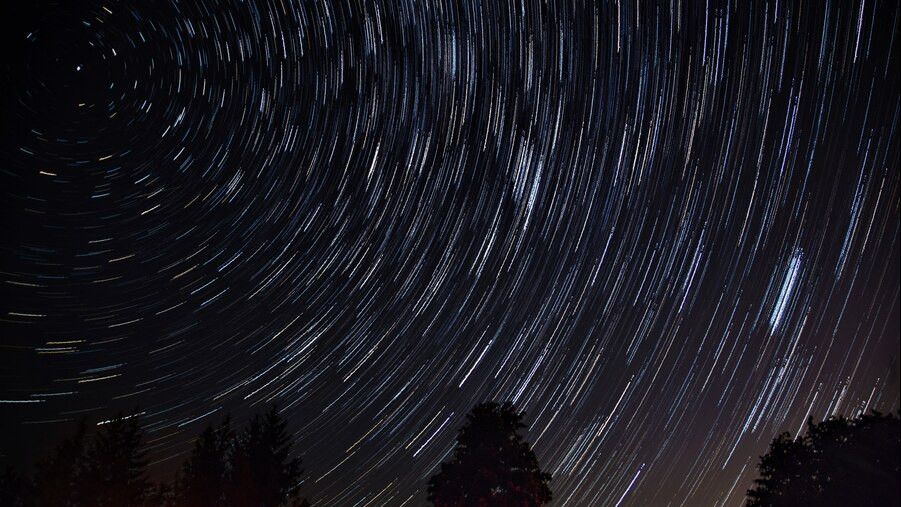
667 231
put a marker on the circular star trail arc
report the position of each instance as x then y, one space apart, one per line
667 231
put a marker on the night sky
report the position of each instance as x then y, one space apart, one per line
667 231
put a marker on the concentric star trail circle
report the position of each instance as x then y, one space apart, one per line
667 231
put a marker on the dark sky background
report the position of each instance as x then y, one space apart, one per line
667 231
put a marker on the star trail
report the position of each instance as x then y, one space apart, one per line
665 230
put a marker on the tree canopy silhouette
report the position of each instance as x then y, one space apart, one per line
492 464
838 462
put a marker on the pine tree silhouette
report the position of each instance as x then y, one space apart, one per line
492 464
12 488
263 474
201 482
838 462
251 469
114 466
160 495
58 475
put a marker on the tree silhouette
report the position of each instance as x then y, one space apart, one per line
838 462
114 466
57 476
160 495
12 488
201 482
492 464
263 474
253 468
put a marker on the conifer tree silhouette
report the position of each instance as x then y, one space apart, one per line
114 472
263 474
201 481
12 488
57 476
252 468
492 464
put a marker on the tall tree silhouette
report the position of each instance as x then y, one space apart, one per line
201 482
492 464
58 475
160 495
12 488
263 474
114 466
838 462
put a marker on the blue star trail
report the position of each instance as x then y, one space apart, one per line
666 230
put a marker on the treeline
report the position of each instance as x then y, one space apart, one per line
838 462
252 466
